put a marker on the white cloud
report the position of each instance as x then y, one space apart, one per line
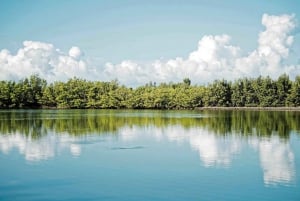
43 59
126 70
273 48
214 58
75 52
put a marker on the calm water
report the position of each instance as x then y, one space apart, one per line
149 155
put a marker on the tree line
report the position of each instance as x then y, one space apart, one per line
34 92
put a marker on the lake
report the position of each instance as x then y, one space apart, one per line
149 155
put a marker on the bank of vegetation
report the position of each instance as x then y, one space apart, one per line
34 92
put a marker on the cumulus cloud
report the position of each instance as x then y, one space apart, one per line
273 48
75 52
45 60
214 58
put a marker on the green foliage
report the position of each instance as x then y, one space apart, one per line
219 94
251 98
33 92
266 91
284 86
48 97
26 93
5 92
238 96
187 81
293 98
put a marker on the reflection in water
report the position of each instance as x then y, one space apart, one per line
217 136
276 159
215 150
39 149
75 149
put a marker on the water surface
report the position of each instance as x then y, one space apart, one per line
149 155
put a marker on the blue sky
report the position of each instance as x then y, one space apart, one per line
141 31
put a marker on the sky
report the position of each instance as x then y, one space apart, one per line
141 41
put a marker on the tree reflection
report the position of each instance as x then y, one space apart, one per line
37 123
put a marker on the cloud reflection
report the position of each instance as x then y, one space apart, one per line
42 148
275 155
215 150
276 160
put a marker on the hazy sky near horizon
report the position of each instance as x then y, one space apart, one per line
141 41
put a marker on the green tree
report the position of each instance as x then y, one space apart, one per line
266 91
5 92
48 98
238 97
293 98
219 94
284 86
187 81
251 98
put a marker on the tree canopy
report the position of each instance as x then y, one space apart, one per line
34 92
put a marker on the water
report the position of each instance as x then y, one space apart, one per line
149 155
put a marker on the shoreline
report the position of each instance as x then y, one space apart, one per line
251 108
178 109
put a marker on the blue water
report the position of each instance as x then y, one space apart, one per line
134 160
